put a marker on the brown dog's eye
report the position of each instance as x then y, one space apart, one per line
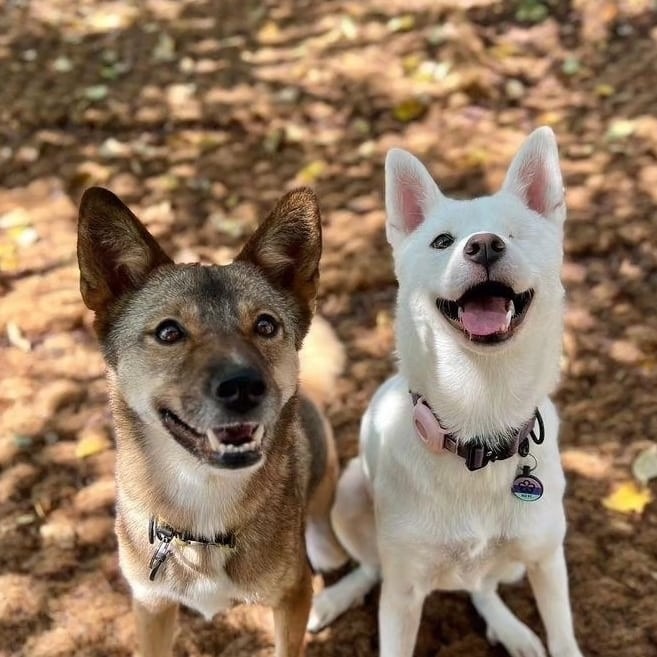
168 332
266 326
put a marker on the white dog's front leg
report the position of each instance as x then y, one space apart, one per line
400 611
549 581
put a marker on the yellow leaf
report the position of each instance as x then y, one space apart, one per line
409 110
312 171
8 257
605 90
403 23
269 33
411 63
550 118
628 498
504 50
92 441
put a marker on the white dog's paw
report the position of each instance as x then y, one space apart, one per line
518 640
570 651
323 612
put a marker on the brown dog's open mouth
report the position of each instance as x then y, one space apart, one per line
488 313
230 446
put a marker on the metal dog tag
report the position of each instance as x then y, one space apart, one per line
527 487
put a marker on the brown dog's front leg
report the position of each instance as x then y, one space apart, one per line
291 618
155 628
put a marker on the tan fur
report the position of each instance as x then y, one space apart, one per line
155 629
133 289
322 361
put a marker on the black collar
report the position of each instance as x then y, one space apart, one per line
165 534
482 450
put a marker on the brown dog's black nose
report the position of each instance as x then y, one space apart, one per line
239 390
484 249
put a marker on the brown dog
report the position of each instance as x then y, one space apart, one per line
220 459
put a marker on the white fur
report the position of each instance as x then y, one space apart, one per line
439 526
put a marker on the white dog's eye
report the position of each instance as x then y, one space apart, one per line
442 241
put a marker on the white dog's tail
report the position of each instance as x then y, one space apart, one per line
322 360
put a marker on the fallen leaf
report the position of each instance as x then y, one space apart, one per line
411 63
348 28
96 92
409 110
620 129
571 66
16 337
429 71
231 226
62 65
23 236
13 218
504 50
23 442
165 49
92 441
644 467
514 89
628 498
25 519
269 33
605 90
312 171
531 11
8 257
404 23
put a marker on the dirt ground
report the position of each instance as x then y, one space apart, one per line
199 114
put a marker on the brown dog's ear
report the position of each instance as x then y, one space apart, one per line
115 251
287 246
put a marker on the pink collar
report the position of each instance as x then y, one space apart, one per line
480 451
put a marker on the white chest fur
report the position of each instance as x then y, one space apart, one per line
209 591
461 527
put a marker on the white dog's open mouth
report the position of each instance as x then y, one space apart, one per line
488 312
230 446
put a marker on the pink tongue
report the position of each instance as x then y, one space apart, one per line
484 316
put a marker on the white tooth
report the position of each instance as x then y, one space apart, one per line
460 313
214 442
509 315
258 434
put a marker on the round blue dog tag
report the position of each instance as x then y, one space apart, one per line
527 487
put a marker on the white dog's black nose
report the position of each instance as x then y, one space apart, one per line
484 249
240 390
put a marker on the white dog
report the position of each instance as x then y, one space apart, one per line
453 488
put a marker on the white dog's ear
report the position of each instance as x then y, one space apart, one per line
535 176
410 193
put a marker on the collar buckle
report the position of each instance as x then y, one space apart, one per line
451 443
478 457
159 556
